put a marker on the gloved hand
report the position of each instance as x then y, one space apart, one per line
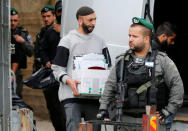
103 114
163 114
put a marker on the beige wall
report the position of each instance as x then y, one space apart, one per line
29 11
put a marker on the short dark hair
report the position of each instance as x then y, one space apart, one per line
165 28
84 11
146 31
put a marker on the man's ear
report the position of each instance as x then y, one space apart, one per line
147 38
162 37
80 21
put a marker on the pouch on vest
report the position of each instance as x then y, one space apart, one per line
142 98
133 99
152 96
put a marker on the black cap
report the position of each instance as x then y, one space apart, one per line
58 6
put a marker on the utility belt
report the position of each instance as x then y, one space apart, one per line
135 112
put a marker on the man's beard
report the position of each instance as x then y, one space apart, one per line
86 28
138 48
164 45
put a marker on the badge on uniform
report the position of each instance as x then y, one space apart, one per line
149 64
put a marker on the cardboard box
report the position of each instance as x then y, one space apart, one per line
92 81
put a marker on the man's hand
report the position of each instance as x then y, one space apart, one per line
14 67
163 114
103 115
57 28
12 78
19 39
73 84
48 64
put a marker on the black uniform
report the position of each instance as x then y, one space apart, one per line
49 45
37 49
20 53
48 53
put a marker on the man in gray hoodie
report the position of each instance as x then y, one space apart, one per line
77 43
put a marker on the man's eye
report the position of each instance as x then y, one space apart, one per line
14 20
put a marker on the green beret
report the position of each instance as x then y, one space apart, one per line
47 8
143 22
13 11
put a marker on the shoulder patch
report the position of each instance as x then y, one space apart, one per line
162 53
123 54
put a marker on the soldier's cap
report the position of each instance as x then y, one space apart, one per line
47 8
58 6
13 11
143 22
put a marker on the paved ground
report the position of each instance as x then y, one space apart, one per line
35 99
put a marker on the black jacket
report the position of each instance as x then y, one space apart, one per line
22 50
49 45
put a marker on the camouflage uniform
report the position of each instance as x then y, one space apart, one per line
167 70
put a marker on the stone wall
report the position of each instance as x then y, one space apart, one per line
29 11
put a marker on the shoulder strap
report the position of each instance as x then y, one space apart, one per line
162 53
120 70
150 83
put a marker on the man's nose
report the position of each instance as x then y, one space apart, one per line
130 38
45 18
93 22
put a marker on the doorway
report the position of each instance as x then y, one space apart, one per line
173 11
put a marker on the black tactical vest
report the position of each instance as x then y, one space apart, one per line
19 50
136 76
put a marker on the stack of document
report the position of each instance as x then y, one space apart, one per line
92 71
89 61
